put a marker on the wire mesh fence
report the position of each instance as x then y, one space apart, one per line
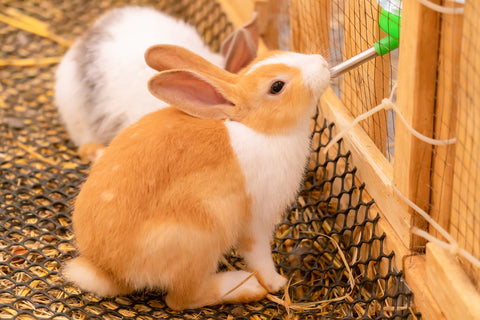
354 28
464 100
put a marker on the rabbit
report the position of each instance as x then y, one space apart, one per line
102 75
183 185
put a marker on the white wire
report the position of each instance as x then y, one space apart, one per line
441 9
424 215
361 117
452 247
420 136
385 105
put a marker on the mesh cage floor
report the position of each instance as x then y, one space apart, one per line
327 245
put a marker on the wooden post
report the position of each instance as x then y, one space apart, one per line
451 288
415 100
364 87
446 118
425 302
465 219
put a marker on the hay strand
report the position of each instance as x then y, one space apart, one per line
36 155
22 21
240 284
29 62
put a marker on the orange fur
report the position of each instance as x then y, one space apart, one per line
167 57
274 114
246 243
158 178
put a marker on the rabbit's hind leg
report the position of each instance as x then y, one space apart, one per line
223 287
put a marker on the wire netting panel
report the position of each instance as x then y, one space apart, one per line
465 214
451 173
340 30
354 28
327 245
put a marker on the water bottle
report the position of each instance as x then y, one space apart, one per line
392 6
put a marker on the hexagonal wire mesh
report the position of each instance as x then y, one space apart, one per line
326 240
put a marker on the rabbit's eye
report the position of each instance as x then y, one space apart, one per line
276 87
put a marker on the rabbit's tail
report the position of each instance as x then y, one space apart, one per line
90 278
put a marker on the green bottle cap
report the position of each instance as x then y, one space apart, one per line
390 24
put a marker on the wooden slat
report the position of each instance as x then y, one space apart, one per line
373 169
446 118
364 87
415 100
465 220
416 279
450 286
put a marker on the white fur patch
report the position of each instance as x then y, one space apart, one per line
273 166
82 274
107 195
301 61
231 288
125 73
70 100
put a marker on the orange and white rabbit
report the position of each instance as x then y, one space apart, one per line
183 185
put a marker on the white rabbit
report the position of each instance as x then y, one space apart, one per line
184 184
101 82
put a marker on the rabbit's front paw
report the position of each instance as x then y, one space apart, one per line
272 281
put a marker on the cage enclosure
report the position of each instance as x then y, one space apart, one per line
329 244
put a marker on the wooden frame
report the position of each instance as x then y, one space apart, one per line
317 40
452 289
444 290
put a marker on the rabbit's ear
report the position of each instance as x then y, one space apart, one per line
193 93
167 57
240 48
